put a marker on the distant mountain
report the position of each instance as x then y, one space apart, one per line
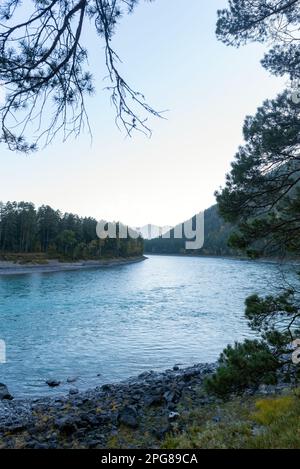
216 234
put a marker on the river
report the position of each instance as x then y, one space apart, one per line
104 325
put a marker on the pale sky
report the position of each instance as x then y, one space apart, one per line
171 54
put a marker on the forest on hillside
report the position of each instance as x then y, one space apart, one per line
216 235
25 229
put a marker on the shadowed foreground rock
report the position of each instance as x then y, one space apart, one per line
147 404
4 393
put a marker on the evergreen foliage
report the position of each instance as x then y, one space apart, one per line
262 195
25 229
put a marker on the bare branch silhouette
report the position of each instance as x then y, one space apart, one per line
44 71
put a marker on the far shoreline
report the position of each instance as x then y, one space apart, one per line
10 268
269 260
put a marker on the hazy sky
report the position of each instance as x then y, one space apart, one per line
171 54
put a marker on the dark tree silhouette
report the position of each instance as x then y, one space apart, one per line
44 70
262 196
262 189
275 21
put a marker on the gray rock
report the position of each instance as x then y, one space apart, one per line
52 383
92 411
128 417
40 446
72 379
152 400
91 419
216 419
66 425
189 375
160 433
4 393
104 418
17 427
205 400
171 406
73 391
169 396
266 389
106 387
172 396
93 443
52 444
173 415
257 431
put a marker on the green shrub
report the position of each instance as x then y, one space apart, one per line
242 366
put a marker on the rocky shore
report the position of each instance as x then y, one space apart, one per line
148 405
141 412
12 268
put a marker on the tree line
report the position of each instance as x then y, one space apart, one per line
25 229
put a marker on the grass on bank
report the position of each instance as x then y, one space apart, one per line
268 423
25 258
242 423
271 422
40 258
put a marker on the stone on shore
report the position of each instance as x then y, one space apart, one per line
72 379
66 425
4 393
52 383
151 405
128 417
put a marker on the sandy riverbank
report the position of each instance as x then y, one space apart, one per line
11 268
